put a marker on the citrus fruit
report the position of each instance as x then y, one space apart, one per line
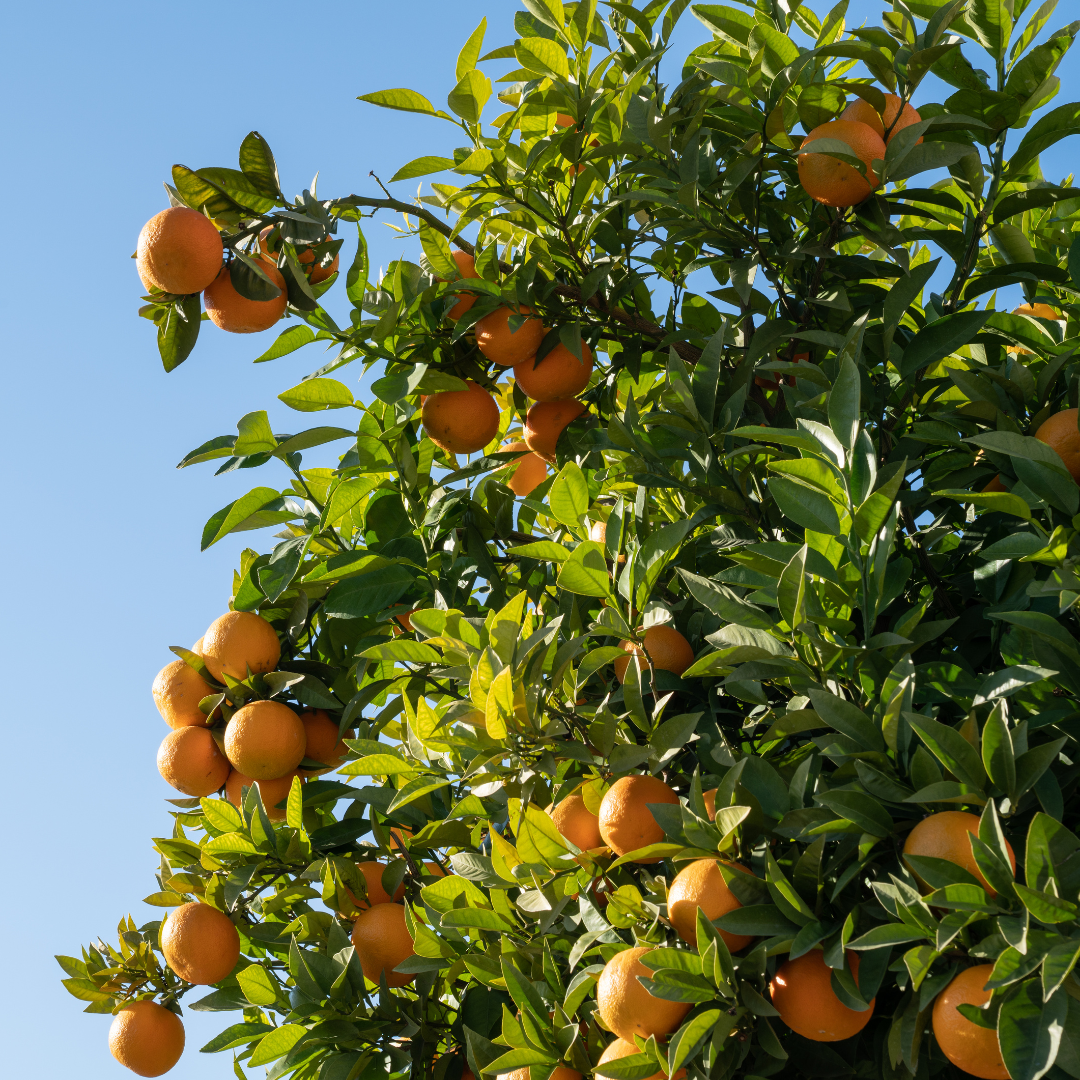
576 822
529 472
545 422
836 183
969 1047
239 642
1035 311
382 941
626 822
146 1038
627 1007
701 885
323 742
558 376
1060 433
317 268
561 1072
598 531
179 251
376 894
503 346
178 689
863 112
620 1048
947 835
667 648
190 760
467 269
265 740
228 310
200 943
271 792
802 992
709 798
461 421
565 120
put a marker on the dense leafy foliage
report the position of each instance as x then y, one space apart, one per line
876 637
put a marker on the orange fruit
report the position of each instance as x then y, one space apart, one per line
701 885
239 642
969 1047
1061 434
576 822
146 1038
626 823
620 1048
506 348
466 265
546 421
265 740
995 485
561 1072
836 183
323 742
228 310
529 472
178 689
802 992
200 943
1036 311
305 256
565 120
376 894
863 112
560 375
461 421
190 760
667 648
382 941
709 798
179 251
627 1007
947 835
271 792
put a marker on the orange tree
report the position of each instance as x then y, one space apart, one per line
769 602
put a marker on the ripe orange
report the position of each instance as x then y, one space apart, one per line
382 941
565 120
177 690
238 642
576 822
864 113
560 375
265 740
305 256
802 992
179 251
1060 433
323 742
626 823
667 648
271 792
376 894
146 1038
620 1048
709 798
701 885
947 835
627 1007
190 760
200 943
506 348
228 310
461 421
530 472
466 265
546 421
835 183
969 1047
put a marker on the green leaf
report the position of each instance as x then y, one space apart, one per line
277 1044
1029 1031
1046 907
438 254
939 339
860 808
844 404
542 550
586 572
568 496
543 57
258 987
997 751
847 718
950 748
404 100
222 815
470 95
316 395
423 166
1056 125
236 514
368 594
757 920
178 330
723 602
254 435
295 337
258 165
805 505
237 1035
470 52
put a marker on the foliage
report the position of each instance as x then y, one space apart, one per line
876 637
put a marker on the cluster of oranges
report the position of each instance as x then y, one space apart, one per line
263 742
801 989
867 133
180 252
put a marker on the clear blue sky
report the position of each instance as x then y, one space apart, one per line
102 546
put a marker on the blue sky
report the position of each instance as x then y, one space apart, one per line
102 547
